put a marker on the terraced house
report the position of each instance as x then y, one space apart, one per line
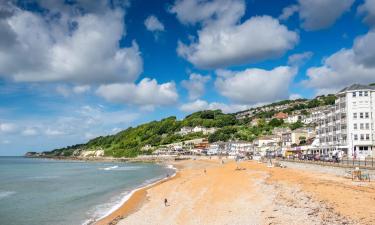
348 126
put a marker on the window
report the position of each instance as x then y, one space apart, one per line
361 126
362 137
355 115
360 93
355 126
354 94
367 115
366 93
367 137
367 126
361 115
355 137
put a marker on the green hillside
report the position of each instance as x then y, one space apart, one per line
129 142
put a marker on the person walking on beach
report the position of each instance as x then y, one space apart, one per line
166 202
205 171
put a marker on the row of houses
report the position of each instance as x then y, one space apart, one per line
346 128
282 141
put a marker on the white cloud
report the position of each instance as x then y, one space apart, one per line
67 91
29 131
368 8
218 11
252 41
299 58
199 105
54 132
288 12
7 128
74 47
317 14
147 93
253 86
195 85
81 89
153 24
5 142
224 40
345 67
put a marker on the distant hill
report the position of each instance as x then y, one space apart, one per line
130 142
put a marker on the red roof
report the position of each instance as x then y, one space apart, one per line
280 115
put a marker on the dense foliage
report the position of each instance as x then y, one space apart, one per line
129 142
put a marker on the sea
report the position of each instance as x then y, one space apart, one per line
55 192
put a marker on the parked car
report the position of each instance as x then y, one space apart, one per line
316 157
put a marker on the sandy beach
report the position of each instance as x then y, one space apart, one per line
254 194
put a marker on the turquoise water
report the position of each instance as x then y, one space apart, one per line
41 192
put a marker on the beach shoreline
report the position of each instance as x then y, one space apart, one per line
133 200
217 193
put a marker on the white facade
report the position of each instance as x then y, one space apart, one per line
348 126
204 130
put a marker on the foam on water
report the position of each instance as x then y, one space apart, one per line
120 168
109 208
64 192
4 194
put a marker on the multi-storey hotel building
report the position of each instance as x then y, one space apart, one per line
348 126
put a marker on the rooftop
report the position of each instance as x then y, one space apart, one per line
355 87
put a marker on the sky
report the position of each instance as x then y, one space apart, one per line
76 69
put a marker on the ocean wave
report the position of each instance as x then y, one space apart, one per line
122 168
4 194
104 210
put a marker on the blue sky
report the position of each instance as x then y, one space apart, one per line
73 70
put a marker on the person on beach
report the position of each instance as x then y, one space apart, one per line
205 171
166 202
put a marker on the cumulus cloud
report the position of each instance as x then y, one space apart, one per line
153 24
79 46
368 8
199 105
224 40
299 58
253 86
195 85
345 67
317 14
147 93
218 11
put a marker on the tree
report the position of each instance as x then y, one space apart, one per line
276 122
296 125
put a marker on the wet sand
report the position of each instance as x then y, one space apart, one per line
253 195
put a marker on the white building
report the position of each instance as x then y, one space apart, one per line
239 147
348 126
204 130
